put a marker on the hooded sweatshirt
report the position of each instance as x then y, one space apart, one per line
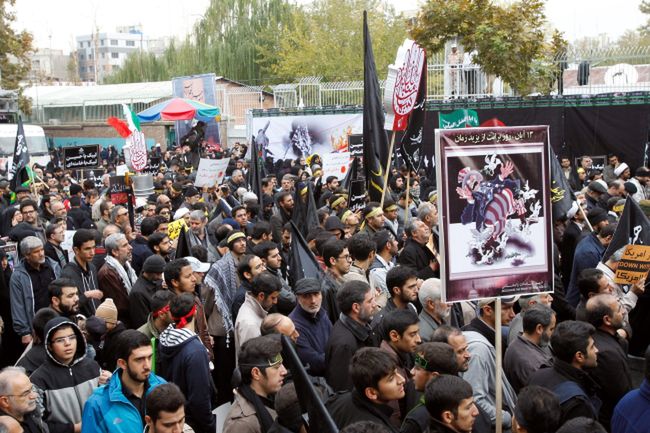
184 360
63 389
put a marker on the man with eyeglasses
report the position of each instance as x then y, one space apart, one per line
67 379
29 210
416 254
18 399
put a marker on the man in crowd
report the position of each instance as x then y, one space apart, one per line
526 302
612 373
402 284
262 375
18 400
312 324
28 285
338 260
631 412
149 281
55 234
64 297
140 245
362 250
434 312
124 398
456 339
376 384
263 295
82 271
449 400
184 360
165 409
529 351
387 249
67 379
416 254
575 353
160 244
481 373
350 333
116 277
285 203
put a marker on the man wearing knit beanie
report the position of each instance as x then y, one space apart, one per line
149 281
108 312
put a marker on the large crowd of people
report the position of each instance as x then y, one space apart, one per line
113 321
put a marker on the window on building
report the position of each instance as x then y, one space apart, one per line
90 56
130 43
82 69
81 44
113 41
91 69
81 56
101 42
115 55
103 56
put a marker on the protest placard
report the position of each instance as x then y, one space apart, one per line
81 157
355 145
336 164
211 172
634 264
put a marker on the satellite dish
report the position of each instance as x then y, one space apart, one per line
621 74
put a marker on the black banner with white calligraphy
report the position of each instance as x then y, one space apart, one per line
81 157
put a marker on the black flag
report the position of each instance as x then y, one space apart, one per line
411 144
19 172
302 263
562 196
352 175
305 212
633 228
183 248
255 173
375 140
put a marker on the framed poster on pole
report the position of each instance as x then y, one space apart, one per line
495 212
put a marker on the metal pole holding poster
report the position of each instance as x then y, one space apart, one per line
390 156
499 382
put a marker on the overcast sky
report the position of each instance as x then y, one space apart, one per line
56 23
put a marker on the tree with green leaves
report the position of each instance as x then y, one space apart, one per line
15 48
510 38
327 40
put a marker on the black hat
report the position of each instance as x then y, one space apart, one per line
334 223
630 188
21 188
596 215
307 285
154 264
642 172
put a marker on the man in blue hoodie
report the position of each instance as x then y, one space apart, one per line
119 407
184 360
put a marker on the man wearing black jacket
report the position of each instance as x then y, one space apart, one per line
20 400
376 384
612 373
82 271
350 333
416 254
149 281
575 351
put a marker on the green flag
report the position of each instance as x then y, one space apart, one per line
458 119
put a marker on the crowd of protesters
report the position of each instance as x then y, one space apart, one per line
124 329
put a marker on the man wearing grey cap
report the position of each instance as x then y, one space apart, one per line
149 281
312 324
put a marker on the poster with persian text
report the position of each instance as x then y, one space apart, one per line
495 210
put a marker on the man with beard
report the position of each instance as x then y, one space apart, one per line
529 351
18 400
456 339
416 254
263 295
612 373
350 333
160 245
434 312
272 259
198 234
123 400
64 297
313 325
117 277
387 249
285 204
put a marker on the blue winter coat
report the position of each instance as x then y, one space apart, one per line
109 411
631 414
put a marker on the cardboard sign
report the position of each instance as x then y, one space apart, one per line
121 170
211 172
355 145
174 228
81 157
118 190
94 175
336 164
634 264
153 166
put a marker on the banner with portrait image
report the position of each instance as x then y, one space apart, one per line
494 206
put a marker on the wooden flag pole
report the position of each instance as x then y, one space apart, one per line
499 382
582 211
408 191
390 157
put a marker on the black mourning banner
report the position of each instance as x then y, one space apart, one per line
118 190
355 145
152 167
81 157
357 195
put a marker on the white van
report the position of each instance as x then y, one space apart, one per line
36 144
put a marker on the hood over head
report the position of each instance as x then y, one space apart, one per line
57 323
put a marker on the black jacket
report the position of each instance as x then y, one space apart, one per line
34 358
80 218
552 377
140 253
418 257
85 280
32 423
53 252
350 407
612 373
346 338
140 300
